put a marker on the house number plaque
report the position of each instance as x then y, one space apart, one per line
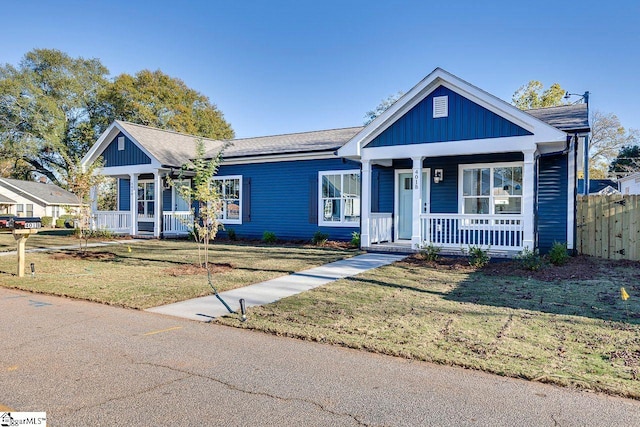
416 179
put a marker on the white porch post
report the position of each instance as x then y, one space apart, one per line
134 203
528 217
365 200
157 209
93 195
416 235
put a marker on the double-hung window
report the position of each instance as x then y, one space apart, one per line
146 199
230 190
491 189
339 198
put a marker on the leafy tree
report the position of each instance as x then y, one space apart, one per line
48 106
205 223
627 161
53 108
532 95
158 100
608 138
80 181
382 107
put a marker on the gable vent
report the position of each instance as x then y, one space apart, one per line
120 143
440 106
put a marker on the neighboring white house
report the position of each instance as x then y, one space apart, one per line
629 184
29 198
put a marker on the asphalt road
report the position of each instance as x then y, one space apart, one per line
88 364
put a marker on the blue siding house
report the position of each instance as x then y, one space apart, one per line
448 164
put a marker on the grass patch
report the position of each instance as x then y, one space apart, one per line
568 331
43 239
157 272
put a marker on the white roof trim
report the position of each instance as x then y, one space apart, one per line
543 132
107 137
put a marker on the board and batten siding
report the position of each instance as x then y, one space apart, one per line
466 120
281 198
131 155
552 212
124 194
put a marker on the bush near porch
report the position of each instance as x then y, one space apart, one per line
563 325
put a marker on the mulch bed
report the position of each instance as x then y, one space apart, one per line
89 256
196 269
577 268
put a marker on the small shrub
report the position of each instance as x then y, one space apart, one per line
231 233
47 221
62 221
95 234
319 238
529 260
355 239
558 254
269 237
430 252
478 257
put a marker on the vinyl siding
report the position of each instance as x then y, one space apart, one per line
466 121
552 201
280 194
131 155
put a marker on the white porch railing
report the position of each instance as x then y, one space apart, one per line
115 221
176 222
504 232
381 224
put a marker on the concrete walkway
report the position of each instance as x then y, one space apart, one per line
209 307
72 247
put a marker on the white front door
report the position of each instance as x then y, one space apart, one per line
404 201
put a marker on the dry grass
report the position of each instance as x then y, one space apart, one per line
158 272
570 332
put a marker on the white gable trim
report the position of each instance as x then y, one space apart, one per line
542 132
107 137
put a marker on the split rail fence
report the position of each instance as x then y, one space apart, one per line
609 226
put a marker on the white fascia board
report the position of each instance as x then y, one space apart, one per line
629 177
279 158
452 148
106 138
131 169
541 130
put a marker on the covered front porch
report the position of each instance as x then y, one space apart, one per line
144 205
450 202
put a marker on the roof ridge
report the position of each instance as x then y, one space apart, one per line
171 131
294 133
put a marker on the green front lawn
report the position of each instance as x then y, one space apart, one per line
157 272
575 332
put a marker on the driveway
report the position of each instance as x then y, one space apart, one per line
90 364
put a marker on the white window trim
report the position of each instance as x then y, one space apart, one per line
342 222
145 218
490 166
232 221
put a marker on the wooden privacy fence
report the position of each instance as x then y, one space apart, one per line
609 226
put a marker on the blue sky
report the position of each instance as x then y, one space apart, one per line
277 66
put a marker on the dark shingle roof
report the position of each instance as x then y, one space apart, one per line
51 194
323 140
175 149
168 147
569 118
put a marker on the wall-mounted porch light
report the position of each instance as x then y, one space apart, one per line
438 174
